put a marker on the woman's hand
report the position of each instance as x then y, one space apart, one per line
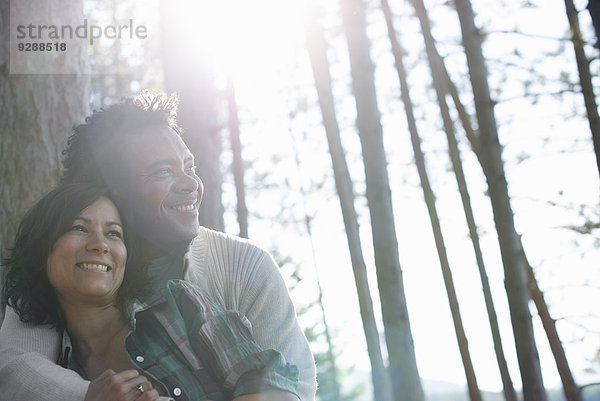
122 386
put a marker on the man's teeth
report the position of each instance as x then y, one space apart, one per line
184 208
92 266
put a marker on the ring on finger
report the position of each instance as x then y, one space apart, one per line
140 388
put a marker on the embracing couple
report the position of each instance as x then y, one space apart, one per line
114 292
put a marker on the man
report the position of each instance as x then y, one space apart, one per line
135 149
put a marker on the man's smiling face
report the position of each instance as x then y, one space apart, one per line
159 191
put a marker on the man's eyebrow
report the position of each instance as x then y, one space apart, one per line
189 158
159 163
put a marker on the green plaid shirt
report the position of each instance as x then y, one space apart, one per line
196 350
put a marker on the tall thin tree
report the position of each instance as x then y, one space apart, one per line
37 113
570 388
511 249
337 389
429 196
237 166
403 366
442 84
585 78
317 50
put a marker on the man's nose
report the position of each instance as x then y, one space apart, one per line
187 182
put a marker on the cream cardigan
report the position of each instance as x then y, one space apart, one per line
237 274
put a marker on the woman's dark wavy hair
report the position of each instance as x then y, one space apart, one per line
26 285
94 148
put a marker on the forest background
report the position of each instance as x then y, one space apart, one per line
308 145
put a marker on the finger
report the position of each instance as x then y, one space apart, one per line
105 374
126 375
138 387
136 381
150 395
119 383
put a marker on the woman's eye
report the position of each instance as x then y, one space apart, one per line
116 234
78 228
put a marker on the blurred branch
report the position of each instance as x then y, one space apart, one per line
526 95
529 35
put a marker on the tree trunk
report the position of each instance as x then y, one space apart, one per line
37 113
337 388
317 49
442 84
511 248
192 79
238 163
570 388
474 393
585 78
403 366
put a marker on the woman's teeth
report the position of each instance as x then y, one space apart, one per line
187 208
92 266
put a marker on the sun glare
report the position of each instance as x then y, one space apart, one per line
247 39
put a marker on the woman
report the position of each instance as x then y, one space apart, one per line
67 269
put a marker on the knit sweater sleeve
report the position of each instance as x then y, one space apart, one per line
242 276
28 371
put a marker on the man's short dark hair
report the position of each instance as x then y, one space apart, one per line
95 145
26 285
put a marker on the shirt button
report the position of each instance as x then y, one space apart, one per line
139 358
177 391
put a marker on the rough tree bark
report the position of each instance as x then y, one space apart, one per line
429 196
192 79
404 374
37 113
317 50
511 249
443 84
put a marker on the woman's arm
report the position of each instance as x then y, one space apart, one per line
28 371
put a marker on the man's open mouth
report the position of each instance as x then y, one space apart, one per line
185 207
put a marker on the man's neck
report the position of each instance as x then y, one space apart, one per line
175 250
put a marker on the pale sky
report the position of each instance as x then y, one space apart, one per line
532 183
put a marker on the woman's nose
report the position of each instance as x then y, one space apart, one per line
97 244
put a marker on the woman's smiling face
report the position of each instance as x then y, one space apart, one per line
87 262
